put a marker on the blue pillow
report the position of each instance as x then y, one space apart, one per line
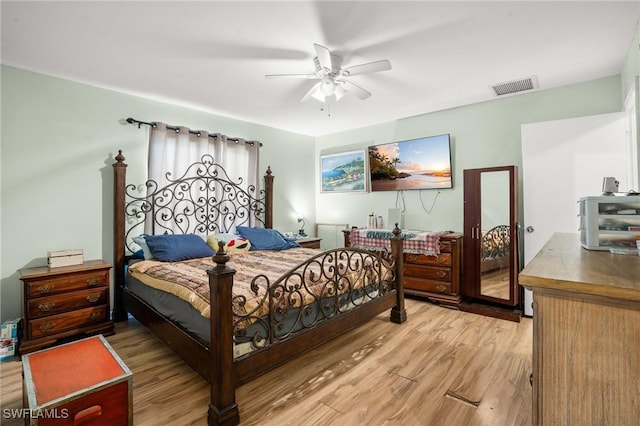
139 255
177 247
265 239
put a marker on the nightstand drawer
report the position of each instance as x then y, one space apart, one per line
67 282
50 305
431 286
443 259
54 324
426 272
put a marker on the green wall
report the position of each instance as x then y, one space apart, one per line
483 135
58 142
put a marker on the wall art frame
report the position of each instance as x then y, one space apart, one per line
344 172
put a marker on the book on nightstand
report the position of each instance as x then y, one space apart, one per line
65 258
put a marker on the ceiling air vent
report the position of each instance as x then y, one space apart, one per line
515 86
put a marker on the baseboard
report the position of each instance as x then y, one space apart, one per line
501 312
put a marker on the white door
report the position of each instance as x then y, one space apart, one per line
562 161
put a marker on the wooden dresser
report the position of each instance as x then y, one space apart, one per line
65 301
436 278
586 334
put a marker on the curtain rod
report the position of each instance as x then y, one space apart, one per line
193 132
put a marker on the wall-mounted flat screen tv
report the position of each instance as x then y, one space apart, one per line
423 163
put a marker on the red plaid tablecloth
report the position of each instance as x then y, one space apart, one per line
420 242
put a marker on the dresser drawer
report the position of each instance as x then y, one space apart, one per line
446 246
69 282
443 259
431 286
57 323
49 305
427 272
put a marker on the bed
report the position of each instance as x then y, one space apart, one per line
257 319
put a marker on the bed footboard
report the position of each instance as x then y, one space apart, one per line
339 312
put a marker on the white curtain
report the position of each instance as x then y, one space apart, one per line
173 151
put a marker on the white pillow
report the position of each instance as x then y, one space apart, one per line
139 240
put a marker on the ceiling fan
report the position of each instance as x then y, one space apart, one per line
333 78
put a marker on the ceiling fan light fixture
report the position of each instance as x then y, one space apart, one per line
328 86
339 92
317 94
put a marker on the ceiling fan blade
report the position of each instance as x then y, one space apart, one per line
376 66
305 76
356 90
311 92
324 56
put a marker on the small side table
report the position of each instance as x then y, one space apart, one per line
309 242
80 382
63 302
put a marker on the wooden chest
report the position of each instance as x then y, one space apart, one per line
65 301
82 382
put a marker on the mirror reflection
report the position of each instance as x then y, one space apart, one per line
495 242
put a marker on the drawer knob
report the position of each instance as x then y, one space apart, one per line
442 260
47 326
46 307
91 282
441 274
93 298
45 288
94 316
441 288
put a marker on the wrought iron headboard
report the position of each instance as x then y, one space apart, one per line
203 200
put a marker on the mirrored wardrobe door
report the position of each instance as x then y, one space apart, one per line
490 241
495 241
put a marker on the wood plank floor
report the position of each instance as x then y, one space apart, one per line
441 367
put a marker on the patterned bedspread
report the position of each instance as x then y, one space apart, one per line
189 281
419 242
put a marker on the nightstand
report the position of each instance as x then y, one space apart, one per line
309 242
64 301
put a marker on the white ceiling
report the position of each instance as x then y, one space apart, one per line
213 55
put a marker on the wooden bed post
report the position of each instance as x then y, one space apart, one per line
268 188
223 409
119 181
398 312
